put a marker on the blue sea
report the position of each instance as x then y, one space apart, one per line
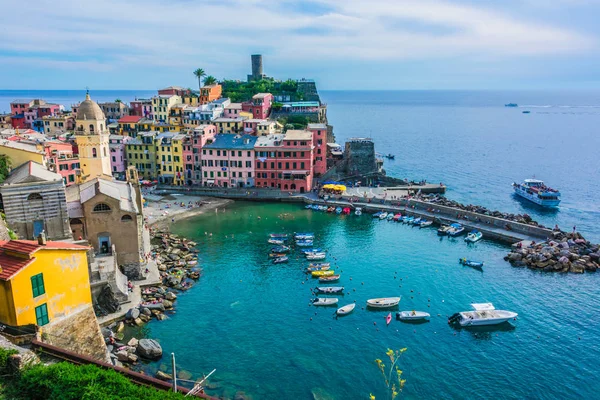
252 321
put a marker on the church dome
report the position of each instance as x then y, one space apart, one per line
90 110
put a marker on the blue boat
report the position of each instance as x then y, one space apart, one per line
474 236
304 236
314 250
304 243
455 230
377 214
471 263
417 221
338 210
308 206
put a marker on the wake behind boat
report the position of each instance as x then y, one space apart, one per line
483 314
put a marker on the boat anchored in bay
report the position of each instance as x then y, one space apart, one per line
537 192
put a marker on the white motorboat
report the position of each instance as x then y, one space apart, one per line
358 211
474 236
412 315
315 256
383 302
482 314
322 301
330 289
347 309
383 215
425 223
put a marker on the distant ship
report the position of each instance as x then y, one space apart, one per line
511 105
534 190
526 112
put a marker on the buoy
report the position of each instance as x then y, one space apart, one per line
311 318
374 323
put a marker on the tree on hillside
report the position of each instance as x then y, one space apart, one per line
210 80
289 86
199 73
118 101
5 164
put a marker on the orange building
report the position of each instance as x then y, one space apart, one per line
210 92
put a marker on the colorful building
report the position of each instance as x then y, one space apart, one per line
161 106
141 153
169 158
118 159
92 138
128 125
41 282
203 114
61 159
192 152
229 161
54 125
141 108
5 121
319 140
259 106
174 91
22 152
114 110
210 93
230 125
285 161
232 110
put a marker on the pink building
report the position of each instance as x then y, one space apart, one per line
259 106
232 110
192 152
31 110
285 161
229 161
141 108
319 139
118 160
62 160
251 126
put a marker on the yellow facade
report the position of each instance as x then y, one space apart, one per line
21 153
161 106
65 280
177 145
169 159
56 124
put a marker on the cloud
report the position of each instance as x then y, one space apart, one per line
100 35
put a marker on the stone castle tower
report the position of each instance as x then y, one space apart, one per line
92 138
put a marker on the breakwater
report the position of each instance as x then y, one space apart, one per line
493 227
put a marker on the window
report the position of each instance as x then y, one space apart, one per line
301 165
100 207
35 196
37 284
249 164
219 152
126 218
240 154
41 315
94 153
72 177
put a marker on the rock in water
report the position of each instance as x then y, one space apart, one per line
163 376
133 313
149 348
133 342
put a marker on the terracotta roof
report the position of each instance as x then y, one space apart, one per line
10 265
128 119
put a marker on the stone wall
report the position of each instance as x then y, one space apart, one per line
79 333
359 157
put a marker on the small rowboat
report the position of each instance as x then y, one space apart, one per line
470 263
304 236
383 215
304 243
325 301
417 221
412 315
313 250
280 249
331 209
338 210
388 319
276 255
383 302
280 260
390 216
358 211
276 241
474 236
278 235
315 256
316 274
331 278
397 217
377 214
425 223
314 269
316 265
347 309
331 289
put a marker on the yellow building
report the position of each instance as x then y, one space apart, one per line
230 125
42 282
92 138
177 146
57 124
176 114
169 158
128 125
161 106
20 153
141 153
5 121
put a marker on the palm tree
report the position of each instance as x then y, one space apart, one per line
210 80
199 73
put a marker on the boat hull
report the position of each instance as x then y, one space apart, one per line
534 198
386 302
500 317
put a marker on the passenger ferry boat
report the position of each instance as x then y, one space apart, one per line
534 190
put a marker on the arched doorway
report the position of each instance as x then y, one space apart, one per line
77 228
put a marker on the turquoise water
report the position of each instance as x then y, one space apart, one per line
251 320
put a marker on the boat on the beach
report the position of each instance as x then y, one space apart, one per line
318 265
474 236
315 256
358 211
280 249
304 243
537 192
425 223
443 230
278 235
347 309
470 263
276 241
316 274
412 315
383 215
482 314
323 268
330 289
325 301
455 230
280 260
331 278
304 236
377 214
383 302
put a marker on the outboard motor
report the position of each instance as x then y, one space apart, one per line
454 318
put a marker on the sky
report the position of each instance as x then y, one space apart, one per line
342 44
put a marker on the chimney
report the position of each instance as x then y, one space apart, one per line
42 238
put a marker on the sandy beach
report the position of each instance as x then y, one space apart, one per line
161 210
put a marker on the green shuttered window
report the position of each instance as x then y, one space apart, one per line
37 284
